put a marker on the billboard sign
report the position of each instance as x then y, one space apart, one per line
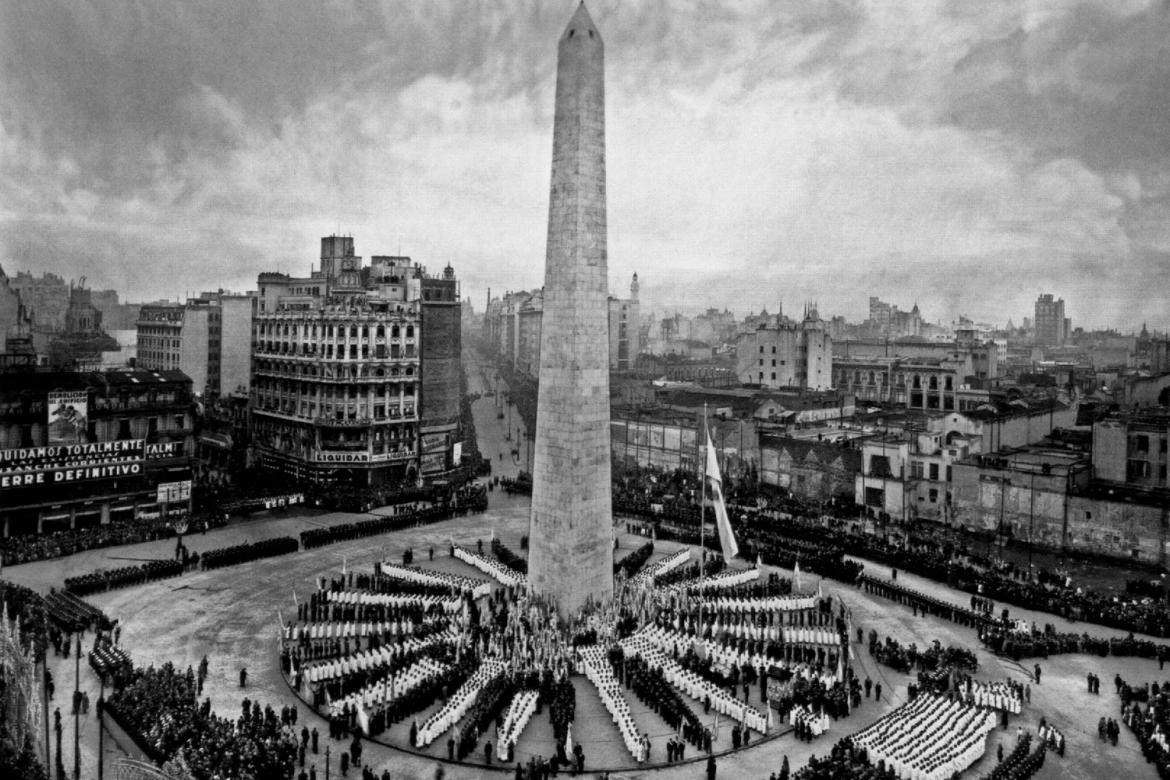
68 416
58 463
434 442
433 462
174 492
457 453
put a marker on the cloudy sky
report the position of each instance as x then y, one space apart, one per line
967 155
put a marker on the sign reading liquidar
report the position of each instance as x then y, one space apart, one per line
30 466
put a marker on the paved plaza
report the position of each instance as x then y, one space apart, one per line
230 615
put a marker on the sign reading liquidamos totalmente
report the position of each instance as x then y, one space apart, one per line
57 463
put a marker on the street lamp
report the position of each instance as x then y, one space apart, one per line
179 525
77 710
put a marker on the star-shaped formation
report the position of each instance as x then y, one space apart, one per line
370 649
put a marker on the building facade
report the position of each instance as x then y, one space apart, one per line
208 338
512 326
917 383
797 355
337 391
1131 449
82 449
1052 327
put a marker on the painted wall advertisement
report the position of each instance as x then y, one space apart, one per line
68 416
433 461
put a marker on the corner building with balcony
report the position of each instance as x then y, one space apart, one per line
337 363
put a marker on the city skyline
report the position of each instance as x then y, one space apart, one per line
965 160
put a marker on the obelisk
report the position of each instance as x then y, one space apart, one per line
570 554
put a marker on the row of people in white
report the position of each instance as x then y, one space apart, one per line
816 722
743 606
595 663
698 688
456 707
390 687
368 660
519 711
505 575
931 738
448 604
728 578
294 632
650 573
477 588
997 695
744 626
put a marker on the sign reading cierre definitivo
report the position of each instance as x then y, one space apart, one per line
31 466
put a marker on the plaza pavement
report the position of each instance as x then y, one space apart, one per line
230 615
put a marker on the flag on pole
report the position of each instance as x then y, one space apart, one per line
820 589
343 562
569 739
759 561
295 602
722 523
796 574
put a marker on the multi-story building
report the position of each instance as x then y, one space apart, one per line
816 466
624 330
890 321
1132 449
918 383
798 356
208 338
908 476
512 328
16 320
337 369
986 357
440 386
1052 327
80 345
81 449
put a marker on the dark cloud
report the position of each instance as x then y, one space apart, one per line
830 148
1091 84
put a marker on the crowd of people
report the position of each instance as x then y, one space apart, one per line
509 558
253 551
159 707
468 498
930 737
907 659
630 565
122 577
26 548
668 501
1023 762
1148 717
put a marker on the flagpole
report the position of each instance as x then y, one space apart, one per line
703 520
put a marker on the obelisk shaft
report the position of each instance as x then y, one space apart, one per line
571 539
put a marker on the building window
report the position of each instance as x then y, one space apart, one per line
124 429
934 471
773 376
761 349
1142 443
933 496
1137 469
